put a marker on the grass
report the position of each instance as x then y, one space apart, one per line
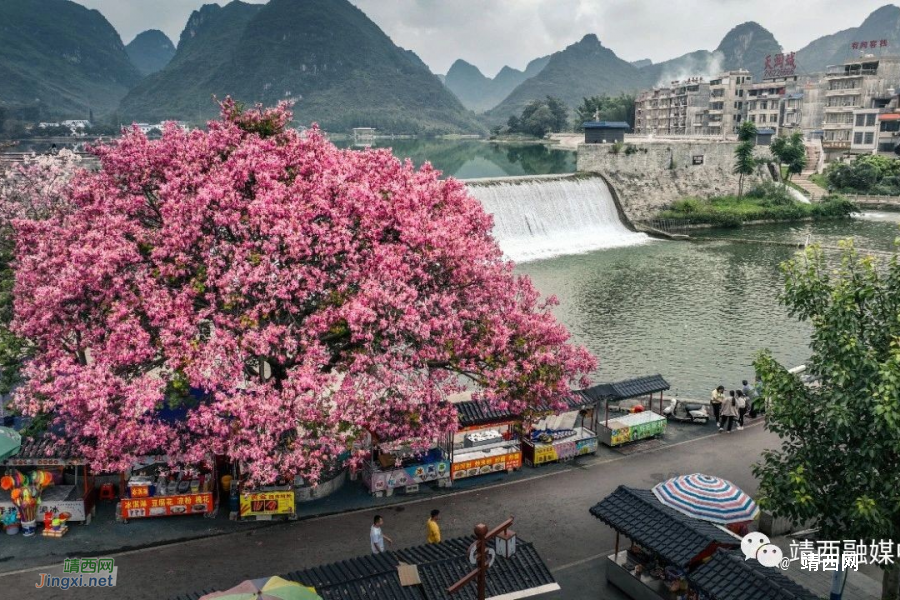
731 211
820 180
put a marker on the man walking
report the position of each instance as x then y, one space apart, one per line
718 397
376 537
434 530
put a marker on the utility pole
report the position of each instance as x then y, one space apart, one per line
478 554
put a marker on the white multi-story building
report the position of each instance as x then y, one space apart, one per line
674 110
727 102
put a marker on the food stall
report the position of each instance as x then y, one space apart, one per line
562 436
151 489
263 503
629 413
486 441
72 493
665 545
394 466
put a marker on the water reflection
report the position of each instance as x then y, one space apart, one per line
472 159
695 312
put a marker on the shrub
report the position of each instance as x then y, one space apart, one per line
616 148
630 149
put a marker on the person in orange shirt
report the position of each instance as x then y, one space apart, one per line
434 530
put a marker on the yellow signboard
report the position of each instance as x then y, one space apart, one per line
267 503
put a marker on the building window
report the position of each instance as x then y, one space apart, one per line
870 139
886 147
860 120
753 118
890 126
857 138
773 118
870 120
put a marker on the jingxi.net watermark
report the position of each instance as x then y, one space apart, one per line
81 572
840 555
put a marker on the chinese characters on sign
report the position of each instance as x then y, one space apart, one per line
780 65
165 506
865 44
846 555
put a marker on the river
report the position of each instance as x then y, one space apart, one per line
697 313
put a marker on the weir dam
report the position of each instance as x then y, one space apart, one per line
546 216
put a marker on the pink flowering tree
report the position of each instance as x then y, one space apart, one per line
33 189
314 295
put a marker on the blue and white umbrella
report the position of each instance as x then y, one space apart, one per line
707 498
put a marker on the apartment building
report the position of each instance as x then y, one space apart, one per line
728 102
851 90
673 110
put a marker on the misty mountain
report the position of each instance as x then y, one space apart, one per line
338 66
883 24
480 93
150 51
62 56
746 47
640 64
586 68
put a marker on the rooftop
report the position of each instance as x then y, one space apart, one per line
727 576
629 388
677 538
606 125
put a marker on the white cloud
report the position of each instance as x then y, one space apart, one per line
493 33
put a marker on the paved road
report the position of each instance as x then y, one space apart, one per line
551 510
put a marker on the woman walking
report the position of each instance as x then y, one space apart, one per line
729 412
741 400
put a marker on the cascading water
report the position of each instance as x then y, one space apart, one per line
535 219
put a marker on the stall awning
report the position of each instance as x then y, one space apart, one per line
727 576
629 388
439 565
43 451
479 412
679 539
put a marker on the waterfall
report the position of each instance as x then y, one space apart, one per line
535 218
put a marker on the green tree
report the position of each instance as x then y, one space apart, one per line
605 108
840 439
540 117
744 163
789 151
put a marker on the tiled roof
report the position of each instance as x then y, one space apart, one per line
479 412
678 538
727 576
43 448
440 565
630 388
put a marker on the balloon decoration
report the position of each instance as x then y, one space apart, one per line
25 491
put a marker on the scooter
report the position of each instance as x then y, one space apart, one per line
692 412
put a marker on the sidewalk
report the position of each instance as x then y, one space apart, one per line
105 536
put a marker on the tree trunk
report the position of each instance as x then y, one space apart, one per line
890 583
741 186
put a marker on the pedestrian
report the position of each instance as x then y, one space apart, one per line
747 389
729 412
718 397
741 401
376 537
434 530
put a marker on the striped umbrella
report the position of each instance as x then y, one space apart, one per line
267 588
707 498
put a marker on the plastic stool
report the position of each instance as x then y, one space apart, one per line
107 491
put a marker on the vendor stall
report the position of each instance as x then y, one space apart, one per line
563 436
72 494
397 466
629 411
666 545
151 489
487 441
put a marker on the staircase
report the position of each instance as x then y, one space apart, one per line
802 181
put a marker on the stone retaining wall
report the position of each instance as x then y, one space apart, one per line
661 172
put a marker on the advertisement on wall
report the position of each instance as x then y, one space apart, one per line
267 503
638 431
166 506
483 466
404 476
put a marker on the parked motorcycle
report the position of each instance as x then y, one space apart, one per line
691 412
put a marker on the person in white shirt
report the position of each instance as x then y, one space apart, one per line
376 538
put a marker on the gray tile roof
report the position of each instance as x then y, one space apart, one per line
374 577
677 538
630 388
727 576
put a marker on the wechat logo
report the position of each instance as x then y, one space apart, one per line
757 545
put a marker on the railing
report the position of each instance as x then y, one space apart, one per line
669 226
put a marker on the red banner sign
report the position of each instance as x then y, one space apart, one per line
780 65
863 45
166 506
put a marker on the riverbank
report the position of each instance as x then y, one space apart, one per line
731 211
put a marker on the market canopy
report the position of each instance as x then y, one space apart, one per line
727 576
629 388
708 498
43 450
10 442
677 538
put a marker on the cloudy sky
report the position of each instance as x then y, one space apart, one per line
493 33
